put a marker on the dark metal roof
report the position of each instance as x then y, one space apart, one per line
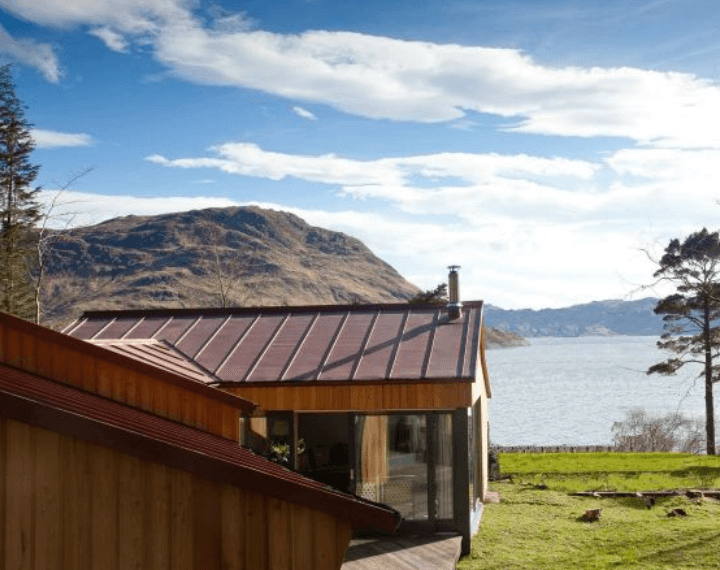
299 344
161 354
37 401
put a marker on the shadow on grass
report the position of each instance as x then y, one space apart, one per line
700 472
636 503
686 552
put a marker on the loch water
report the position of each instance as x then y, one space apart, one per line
559 391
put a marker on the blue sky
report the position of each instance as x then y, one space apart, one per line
544 147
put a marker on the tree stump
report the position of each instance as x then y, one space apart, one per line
591 515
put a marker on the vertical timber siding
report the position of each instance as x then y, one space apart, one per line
43 356
67 504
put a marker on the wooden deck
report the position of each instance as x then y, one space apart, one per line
440 552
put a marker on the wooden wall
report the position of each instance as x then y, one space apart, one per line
484 448
360 397
374 450
68 504
55 360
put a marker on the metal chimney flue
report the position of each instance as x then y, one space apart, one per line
454 304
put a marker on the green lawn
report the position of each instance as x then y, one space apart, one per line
573 472
539 528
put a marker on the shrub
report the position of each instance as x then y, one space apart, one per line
641 431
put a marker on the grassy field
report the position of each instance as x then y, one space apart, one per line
540 528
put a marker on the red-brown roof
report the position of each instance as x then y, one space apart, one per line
37 401
161 354
300 344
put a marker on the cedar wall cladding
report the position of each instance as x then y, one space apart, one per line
82 365
70 504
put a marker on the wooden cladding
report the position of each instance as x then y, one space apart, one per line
360 397
68 504
374 450
40 355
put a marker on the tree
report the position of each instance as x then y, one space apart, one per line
641 431
225 267
19 208
437 296
44 239
691 314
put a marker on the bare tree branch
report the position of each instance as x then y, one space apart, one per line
45 237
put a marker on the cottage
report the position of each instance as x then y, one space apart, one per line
388 402
115 461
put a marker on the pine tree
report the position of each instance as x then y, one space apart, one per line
692 314
19 208
437 296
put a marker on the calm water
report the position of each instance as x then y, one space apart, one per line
570 390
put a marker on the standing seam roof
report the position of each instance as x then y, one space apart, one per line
318 344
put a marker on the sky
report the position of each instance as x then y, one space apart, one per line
551 149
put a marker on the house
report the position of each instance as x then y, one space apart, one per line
388 402
113 461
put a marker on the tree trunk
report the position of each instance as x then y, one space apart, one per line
709 406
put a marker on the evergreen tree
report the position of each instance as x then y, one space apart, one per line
691 315
19 208
437 296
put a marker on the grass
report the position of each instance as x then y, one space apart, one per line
573 472
539 528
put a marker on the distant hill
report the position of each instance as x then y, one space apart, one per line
596 318
246 256
249 256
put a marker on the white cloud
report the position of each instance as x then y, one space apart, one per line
418 81
54 139
659 186
132 16
304 113
89 208
500 183
248 159
40 56
386 78
112 39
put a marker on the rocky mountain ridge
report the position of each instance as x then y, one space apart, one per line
598 318
213 257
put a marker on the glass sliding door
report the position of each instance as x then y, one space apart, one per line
476 456
391 462
444 468
406 461
324 449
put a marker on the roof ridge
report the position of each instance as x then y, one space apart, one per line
274 309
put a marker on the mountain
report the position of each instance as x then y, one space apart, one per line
596 318
242 256
246 256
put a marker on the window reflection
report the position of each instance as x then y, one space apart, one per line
393 463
